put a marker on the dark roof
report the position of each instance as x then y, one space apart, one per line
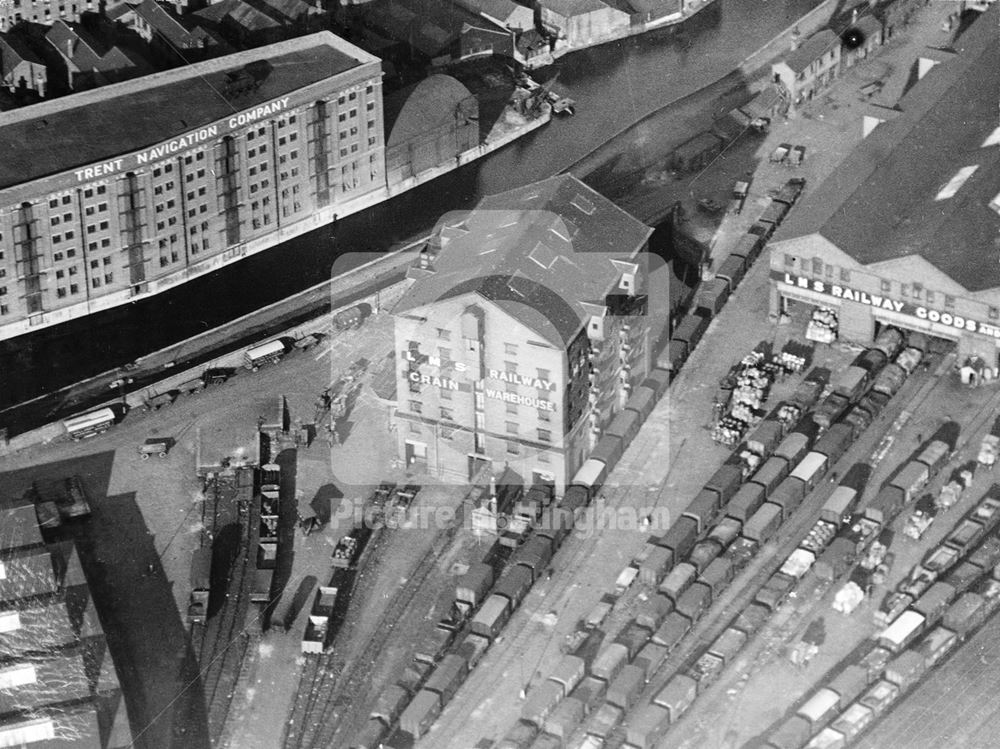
500 10
164 23
41 628
571 8
869 26
811 49
17 47
61 134
57 678
538 252
880 204
415 110
429 26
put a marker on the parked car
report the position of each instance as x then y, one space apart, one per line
780 153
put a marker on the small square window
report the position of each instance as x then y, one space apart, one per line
789 260
994 313
513 448
949 300
886 286
930 297
544 435
416 407
512 409
447 415
511 427
817 266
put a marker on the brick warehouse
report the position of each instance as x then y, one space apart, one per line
905 231
209 163
521 338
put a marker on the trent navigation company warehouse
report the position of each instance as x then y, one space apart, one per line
906 232
521 338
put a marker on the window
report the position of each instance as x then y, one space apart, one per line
416 407
512 409
414 428
66 199
57 256
107 261
544 435
949 300
95 264
930 297
88 193
918 289
886 286
789 260
95 282
107 242
544 374
54 221
510 349
994 313
543 416
60 292
59 274
511 427
370 106
53 203
72 270
510 367
74 289
447 415
445 395
817 265
904 289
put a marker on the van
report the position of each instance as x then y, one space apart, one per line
266 353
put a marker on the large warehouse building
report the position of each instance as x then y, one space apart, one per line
521 338
906 232
121 192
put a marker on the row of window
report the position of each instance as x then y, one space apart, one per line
913 290
512 447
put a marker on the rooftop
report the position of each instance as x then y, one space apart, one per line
19 527
62 134
571 8
499 10
423 107
14 48
922 183
26 574
539 252
811 49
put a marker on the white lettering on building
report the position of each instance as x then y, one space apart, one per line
436 361
439 382
521 400
518 379
92 172
177 144
257 113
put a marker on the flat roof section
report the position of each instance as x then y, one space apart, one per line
98 125
923 183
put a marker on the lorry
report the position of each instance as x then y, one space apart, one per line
158 446
266 353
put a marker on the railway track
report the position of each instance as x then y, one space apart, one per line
223 643
343 709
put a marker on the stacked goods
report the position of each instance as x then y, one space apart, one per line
789 414
819 537
729 431
343 552
924 512
822 327
795 357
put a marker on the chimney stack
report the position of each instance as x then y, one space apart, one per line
796 39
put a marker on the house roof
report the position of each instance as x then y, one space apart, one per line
540 252
35 627
42 681
14 49
869 26
27 574
164 23
427 25
811 49
87 52
61 134
571 8
292 10
886 201
501 10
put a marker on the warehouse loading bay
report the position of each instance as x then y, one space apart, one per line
491 700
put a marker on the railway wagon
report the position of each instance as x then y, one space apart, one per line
608 449
774 214
703 553
658 381
643 399
679 579
448 677
535 554
609 661
633 637
650 658
575 498
788 496
718 575
794 447
624 690
680 538
703 509
540 701
603 721
725 482
811 469
672 631
725 531
519 737
390 704
765 438
646 726
746 502
690 330
677 696
839 505
853 721
967 613
569 672
491 617
591 477
902 631
556 523
653 611
771 473
820 707
728 645
835 442
472 587
712 296
625 426
792 733
656 564
514 585
693 601
763 524
748 246
421 713
732 270
564 719
673 357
